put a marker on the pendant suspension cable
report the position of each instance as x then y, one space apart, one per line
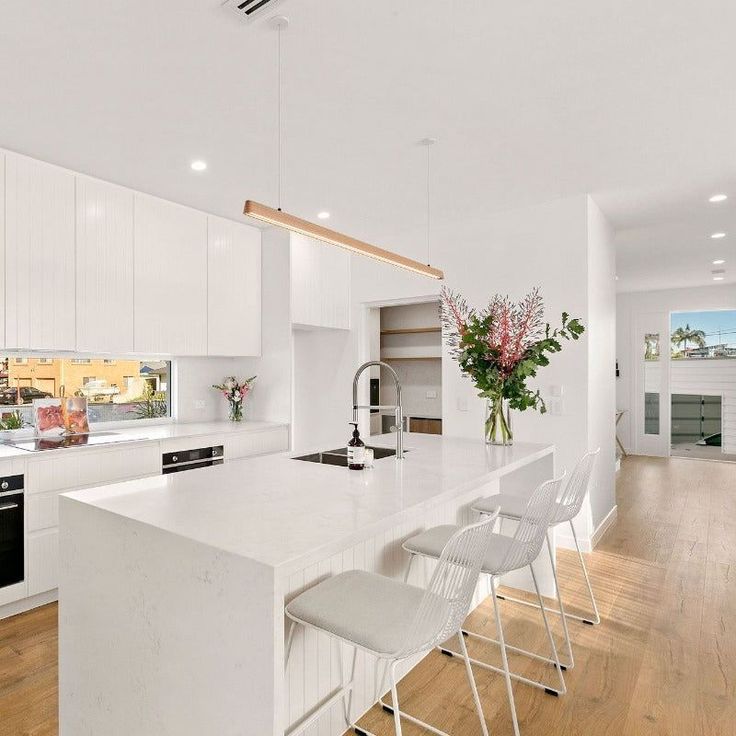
280 22
281 136
429 142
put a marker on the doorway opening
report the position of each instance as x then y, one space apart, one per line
408 337
702 383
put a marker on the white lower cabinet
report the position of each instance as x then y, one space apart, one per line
257 443
43 561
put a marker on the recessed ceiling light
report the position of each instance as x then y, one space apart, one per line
718 278
718 261
718 236
198 165
323 215
718 198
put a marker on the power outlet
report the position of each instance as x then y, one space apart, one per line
200 404
431 394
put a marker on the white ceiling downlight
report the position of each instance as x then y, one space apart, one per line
718 278
718 262
198 165
323 215
250 9
718 236
718 198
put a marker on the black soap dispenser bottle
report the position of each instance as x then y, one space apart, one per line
356 450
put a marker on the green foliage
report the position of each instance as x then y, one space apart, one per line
480 362
13 420
151 405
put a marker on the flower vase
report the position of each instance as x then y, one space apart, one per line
498 422
236 411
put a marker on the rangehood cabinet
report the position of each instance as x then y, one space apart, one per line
94 267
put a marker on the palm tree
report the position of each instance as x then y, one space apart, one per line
683 335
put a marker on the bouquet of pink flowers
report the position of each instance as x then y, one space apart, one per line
500 347
235 392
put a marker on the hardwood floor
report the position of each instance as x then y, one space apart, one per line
662 662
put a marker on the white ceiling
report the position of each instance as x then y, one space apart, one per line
633 102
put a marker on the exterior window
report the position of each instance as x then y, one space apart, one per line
116 389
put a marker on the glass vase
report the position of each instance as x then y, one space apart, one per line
236 411
498 422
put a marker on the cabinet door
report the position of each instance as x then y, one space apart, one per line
170 278
104 267
320 284
43 561
39 255
233 288
2 249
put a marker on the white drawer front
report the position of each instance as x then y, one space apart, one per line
257 443
42 510
70 470
43 561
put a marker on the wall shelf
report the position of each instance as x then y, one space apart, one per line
411 331
415 357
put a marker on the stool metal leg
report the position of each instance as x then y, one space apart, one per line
596 616
408 568
473 686
571 660
563 687
395 700
505 659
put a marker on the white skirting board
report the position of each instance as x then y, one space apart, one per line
608 521
26 604
566 541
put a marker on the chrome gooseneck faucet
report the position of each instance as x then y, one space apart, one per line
398 410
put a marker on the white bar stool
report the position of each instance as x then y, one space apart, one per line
393 620
504 555
565 509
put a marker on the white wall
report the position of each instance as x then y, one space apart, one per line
630 307
601 328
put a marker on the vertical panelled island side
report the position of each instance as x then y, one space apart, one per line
172 588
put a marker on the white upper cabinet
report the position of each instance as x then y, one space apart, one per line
320 284
104 267
234 288
2 249
170 278
39 255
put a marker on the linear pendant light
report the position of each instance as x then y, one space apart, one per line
318 232
281 219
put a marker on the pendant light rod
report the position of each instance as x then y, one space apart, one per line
282 219
428 142
280 22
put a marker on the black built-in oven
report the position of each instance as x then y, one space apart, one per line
11 530
202 457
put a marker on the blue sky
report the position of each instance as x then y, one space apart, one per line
710 323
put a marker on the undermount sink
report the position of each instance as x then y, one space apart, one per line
340 456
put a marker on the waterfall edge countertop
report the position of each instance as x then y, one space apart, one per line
282 512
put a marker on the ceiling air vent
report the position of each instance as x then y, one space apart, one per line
250 9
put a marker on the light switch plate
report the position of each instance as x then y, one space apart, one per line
462 403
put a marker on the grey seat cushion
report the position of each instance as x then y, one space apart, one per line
372 611
513 507
432 541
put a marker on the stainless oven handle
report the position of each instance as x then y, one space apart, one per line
8 506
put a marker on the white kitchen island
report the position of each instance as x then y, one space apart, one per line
172 588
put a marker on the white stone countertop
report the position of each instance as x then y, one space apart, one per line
140 433
281 512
